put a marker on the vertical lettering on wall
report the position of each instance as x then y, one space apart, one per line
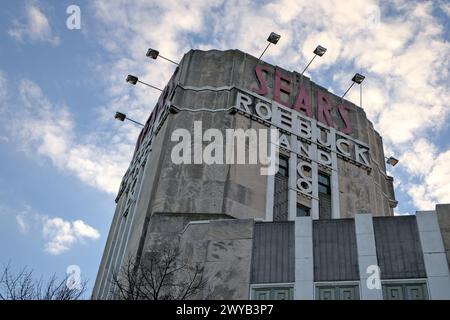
343 112
259 70
304 177
263 111
163 101
324 108
324 157
339 145
282 85
323 136
305 129
303 102
285 119
284 142
360 155
305 149
243 102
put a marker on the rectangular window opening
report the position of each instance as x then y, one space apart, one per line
303 211
324 185
283 166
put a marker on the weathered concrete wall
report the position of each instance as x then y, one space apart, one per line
138 217
225 249
356 190
105 263
236 190
363 192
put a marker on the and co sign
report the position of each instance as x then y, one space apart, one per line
315 144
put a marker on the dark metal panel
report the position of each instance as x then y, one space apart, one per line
334 248
324 206
399 251
273 252
280 203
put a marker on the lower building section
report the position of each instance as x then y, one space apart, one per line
365 257
391 258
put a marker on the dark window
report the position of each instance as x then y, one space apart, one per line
324 183
283 166
324 196
302 211
280 203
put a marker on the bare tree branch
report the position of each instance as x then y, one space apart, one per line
22 286
159 275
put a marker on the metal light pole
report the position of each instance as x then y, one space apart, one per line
152 53
133 80
273 39
357 78
318 51
122 117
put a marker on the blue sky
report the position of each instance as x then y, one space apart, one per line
63 155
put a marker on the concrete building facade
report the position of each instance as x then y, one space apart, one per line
322 227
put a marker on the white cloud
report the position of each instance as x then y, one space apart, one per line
396 213
419 159
25 218
445 6
83 230
48 130
35 26
424 163
22 223
61 234
3 85
421 199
